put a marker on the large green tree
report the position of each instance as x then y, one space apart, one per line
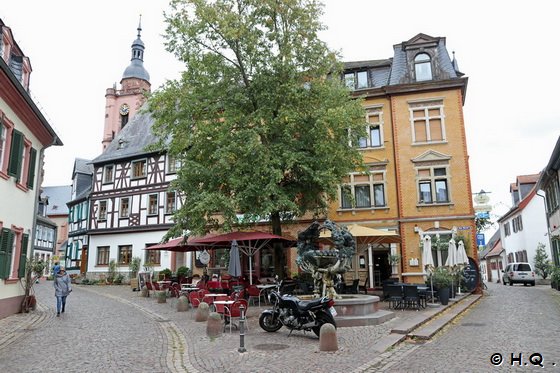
260 119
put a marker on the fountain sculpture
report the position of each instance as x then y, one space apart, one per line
325 266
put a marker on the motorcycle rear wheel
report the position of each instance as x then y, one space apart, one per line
269 323
323 318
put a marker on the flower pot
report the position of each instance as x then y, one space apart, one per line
161 296
443 295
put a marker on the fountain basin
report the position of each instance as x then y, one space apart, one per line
360 310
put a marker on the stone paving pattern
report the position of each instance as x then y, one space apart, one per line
112 329
508 320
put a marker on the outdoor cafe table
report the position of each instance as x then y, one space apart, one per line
221 310
212 295
187 288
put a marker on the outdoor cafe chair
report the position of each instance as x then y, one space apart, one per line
234 312
411 297
254 293
395 296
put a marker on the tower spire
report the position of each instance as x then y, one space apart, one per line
136 68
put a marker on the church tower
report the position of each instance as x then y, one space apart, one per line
122 104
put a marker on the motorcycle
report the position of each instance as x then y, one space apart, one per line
296 314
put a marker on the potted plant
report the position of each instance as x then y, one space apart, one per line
165 273
393 259
182 273
34 269
442 278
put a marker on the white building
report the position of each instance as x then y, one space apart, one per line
524 226
24 135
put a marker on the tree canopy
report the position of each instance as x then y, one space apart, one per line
260 119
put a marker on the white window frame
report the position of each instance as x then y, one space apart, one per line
122 212
432 179
365 142
133 169
105 170
172 164
149 205
174 208
423 67
371 183
426 118
99 213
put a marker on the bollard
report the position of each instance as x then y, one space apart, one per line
242 330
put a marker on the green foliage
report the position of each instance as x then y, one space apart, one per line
394 259
118 279
555 275
134 266
482 224
543 266
442 277
183 271
255 120
112 271
166 273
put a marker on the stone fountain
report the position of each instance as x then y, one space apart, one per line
327 267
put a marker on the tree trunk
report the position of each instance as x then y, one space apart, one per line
279 257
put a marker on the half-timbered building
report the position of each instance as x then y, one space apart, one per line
131 204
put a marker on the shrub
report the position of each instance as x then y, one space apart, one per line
166 273
441 277
183 271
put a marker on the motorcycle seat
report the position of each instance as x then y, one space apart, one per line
306 305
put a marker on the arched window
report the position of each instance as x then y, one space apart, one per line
423 67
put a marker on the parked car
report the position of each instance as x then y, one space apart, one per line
520 273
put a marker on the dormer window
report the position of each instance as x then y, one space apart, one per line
356 80
423 67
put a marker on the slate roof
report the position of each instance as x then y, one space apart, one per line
82 166
392 71
131 141
57 196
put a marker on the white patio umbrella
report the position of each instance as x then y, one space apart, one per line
428 261
234 267
462 260
451 261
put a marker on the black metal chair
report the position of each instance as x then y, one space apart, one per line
352 289
411 297
364 287
395 296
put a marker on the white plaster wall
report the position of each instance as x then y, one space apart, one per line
534 230
138 240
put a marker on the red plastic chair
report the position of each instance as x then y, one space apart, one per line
194 299
235 312
254 292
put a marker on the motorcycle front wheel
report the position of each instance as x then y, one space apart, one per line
269 323
323 318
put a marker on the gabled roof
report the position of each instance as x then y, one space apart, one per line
131 141
57 196
82 166
520 206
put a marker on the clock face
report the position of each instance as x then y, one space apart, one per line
124 109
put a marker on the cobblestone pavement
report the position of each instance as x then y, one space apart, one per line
112 329
516 320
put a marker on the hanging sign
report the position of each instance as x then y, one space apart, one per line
204 257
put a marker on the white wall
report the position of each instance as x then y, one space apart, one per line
534 230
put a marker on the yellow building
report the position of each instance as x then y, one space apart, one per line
416 152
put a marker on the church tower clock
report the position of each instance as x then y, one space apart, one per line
121 104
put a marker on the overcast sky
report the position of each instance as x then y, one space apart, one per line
507 49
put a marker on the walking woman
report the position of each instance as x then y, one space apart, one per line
62 288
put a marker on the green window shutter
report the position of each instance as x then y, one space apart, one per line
31 171
6 246
14 166
23 255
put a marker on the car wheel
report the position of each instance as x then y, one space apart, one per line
533 283
510 283
504 282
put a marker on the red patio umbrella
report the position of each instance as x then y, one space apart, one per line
180 244
249 243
